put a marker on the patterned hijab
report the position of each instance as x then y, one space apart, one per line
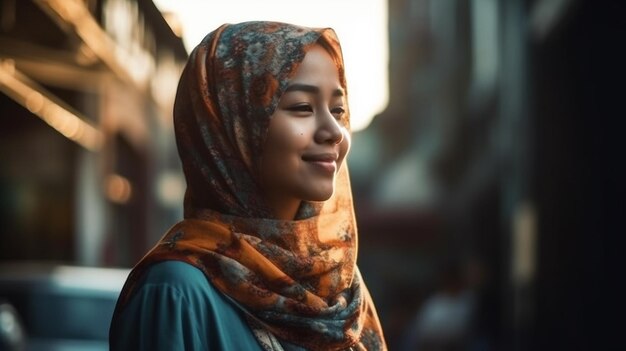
296 281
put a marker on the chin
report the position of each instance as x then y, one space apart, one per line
316 190
321 198
320 195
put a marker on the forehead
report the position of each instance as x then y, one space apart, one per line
317 67
317 61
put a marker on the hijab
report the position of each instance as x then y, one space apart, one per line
296 281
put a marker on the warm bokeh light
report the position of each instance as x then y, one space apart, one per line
360 24
54 112
118 188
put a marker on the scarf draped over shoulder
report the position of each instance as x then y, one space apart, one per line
297 280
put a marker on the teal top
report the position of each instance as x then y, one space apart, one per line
176 308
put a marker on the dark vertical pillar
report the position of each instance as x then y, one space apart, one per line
578 179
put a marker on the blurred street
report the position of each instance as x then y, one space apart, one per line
489 193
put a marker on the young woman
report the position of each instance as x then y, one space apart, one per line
265 258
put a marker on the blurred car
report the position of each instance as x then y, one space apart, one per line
11 330
59 307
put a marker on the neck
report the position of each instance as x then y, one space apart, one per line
285 210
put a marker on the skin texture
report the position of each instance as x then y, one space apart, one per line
307 141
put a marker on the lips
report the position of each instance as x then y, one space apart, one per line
326 157
326 162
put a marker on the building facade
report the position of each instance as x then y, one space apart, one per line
89 173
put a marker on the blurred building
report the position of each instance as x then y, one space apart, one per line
89 171
488 192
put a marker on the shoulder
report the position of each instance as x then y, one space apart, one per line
175 307
180 280
176 274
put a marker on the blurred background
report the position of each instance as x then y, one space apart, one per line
488 184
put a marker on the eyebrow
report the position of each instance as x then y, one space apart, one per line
312 89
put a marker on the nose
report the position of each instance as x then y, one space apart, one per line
329 129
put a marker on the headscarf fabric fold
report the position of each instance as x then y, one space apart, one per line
296 279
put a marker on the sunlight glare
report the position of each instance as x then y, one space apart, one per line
360 24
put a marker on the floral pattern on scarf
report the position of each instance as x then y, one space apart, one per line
297 279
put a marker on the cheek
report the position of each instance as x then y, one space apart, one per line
291 135
344 147
285 141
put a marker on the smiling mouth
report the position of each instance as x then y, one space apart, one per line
329 157
323 162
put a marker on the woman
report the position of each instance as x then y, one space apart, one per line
265 257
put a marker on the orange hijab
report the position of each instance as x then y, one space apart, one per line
296 281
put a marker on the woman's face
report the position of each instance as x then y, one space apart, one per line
306 142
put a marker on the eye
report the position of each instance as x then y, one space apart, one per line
301 108
338 111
